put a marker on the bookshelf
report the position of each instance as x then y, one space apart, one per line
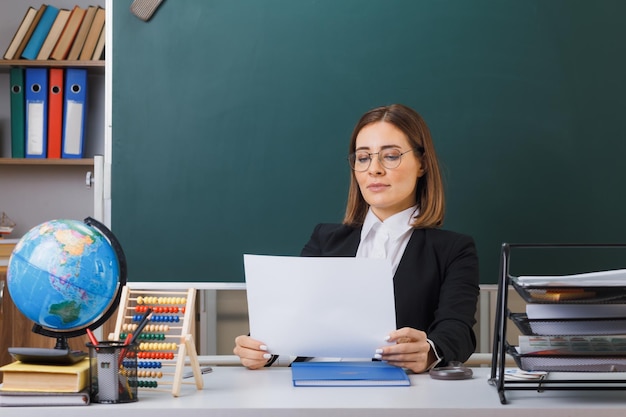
45 179
62 162
92 66
36 190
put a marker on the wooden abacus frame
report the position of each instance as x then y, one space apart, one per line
132 298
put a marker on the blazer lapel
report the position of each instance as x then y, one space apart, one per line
352 243
413 247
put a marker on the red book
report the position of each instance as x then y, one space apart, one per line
55 112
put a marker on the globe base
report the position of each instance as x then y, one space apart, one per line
47 356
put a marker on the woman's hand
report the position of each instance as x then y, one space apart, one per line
252 353
411 351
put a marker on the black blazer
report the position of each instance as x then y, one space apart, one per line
436 283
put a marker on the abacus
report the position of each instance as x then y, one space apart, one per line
165 342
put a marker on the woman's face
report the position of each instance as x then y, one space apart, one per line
387 191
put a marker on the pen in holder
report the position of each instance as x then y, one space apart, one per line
113 372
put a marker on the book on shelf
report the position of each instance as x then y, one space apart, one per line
53 35
81 35
29 32
43 399
62 48
347 374
27 20
55 112
93 35
99 50
40 33
18 112
30 377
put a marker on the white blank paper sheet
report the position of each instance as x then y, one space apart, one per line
320 307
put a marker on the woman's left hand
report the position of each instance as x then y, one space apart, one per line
411 351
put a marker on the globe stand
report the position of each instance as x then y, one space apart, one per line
44 356
61 343
61 354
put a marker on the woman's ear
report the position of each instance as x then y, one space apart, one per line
422 170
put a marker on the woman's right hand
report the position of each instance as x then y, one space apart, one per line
252 353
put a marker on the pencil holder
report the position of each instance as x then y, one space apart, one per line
113 372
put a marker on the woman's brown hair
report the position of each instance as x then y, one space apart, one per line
429 192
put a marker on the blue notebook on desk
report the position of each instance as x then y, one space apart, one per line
347 374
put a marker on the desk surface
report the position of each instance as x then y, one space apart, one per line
236 391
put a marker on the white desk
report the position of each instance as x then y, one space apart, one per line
236 391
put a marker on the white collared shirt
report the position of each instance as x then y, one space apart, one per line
386 239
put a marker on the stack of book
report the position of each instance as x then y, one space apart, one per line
50 33
573 345
573 323
29 384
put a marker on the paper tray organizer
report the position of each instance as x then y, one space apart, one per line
568 327
554 327
567 363
570 295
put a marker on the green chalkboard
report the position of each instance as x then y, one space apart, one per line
231 120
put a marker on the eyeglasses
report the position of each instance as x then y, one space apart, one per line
389 158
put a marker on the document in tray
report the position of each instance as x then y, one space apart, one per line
569 363
573 345
575 311
320 307
576 319
612 278
516 374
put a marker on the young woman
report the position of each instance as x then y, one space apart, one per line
395 210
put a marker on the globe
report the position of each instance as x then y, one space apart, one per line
66 276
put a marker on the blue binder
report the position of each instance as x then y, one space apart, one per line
74 112
40 33
347 374
36 95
